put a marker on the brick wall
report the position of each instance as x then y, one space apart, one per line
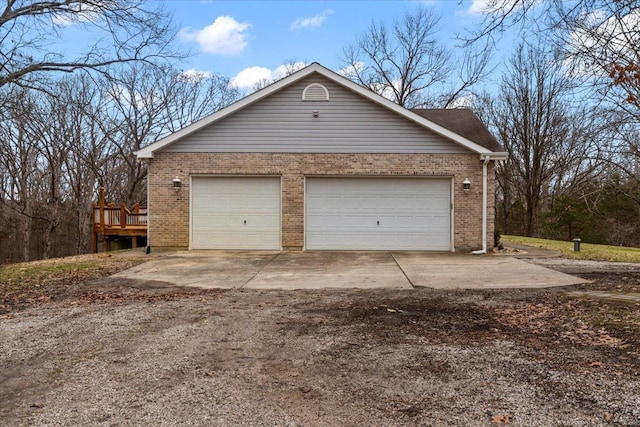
169 210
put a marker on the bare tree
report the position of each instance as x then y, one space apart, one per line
19 161
289 67
50 136
598 44
188 98
88 151
121 31
403 61
57 146
552 144
500 15
598 40
145 104
471 68
602 46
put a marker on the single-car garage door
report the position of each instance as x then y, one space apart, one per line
235 213
378 213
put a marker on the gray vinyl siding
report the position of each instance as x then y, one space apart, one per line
283 123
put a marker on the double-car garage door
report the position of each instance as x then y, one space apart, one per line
340 213
378 213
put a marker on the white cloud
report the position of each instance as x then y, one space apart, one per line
225 36
311 22
601 36
478 7
351 71
78 13
386 90
249 77
285 69
125 96
463 101
481 7
195 75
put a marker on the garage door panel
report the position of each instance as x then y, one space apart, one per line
235 213
378 213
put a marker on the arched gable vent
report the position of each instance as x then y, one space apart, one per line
315 92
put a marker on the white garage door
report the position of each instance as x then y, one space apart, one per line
235 213
378 213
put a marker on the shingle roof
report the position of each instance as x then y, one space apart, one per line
464 122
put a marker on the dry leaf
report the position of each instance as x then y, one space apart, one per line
501 419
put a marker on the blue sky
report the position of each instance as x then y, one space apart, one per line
249 40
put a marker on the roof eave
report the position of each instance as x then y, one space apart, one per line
494 155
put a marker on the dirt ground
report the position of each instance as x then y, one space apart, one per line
118 353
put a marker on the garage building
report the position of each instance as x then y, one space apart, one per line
316 162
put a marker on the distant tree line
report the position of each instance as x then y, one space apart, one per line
71 124
57 147
568 113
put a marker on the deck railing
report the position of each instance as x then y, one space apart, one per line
111 216
110 220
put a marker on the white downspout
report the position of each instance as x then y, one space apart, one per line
486 159
148 248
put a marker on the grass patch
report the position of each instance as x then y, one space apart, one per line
26 274
40 281
588 251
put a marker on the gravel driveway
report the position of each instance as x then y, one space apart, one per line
145 353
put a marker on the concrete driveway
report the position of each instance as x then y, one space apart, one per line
317 270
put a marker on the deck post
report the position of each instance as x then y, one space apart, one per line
94 233
101 203
123 216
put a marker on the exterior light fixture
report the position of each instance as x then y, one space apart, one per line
177 184
316 113
466 185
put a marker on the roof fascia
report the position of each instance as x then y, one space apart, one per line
497 155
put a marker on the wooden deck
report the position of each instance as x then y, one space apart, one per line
111 221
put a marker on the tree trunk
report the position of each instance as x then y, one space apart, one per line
532 208
83 223
26 226
49 232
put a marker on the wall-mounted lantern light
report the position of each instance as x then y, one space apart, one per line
177 184
316 113
466 185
